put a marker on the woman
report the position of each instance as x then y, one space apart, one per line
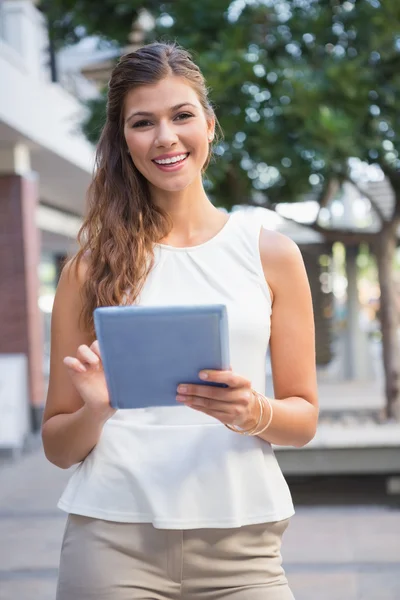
187 501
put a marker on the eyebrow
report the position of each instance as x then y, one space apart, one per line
149 114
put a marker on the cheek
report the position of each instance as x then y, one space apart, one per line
202 137
199 142
138 145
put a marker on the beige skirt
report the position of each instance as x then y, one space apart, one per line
104 560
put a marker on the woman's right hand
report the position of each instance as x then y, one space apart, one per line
87 374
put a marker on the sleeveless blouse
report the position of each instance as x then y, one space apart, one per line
175 467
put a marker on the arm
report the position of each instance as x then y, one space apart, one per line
295 408
72 426
292 343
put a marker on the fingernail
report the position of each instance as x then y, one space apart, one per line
203 375
180 398
182 388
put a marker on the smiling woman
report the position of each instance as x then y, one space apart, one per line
158 110
184 501
182 127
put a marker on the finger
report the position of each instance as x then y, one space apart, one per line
228 377
87 356
220 416
237 418
235 411
210 391
203 402
74 364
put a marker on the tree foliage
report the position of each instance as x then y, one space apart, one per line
299 85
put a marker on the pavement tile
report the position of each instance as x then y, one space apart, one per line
29 589
329 552
377 536
324 586
331 539
380 586
30 544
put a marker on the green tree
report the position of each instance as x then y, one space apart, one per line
300 87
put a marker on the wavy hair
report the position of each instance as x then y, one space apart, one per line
122 224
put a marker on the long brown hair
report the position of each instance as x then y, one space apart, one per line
122 224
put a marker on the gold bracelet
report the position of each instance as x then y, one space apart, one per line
271 414
252 429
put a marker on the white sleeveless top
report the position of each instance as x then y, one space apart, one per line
175 467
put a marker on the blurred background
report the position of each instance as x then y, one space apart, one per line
307 94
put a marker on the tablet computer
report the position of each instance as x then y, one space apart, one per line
148 350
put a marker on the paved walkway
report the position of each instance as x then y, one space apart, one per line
330 553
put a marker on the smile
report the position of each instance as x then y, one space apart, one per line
172 160
169 163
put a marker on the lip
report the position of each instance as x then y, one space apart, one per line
171 155
174 166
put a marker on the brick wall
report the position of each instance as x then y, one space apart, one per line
20 317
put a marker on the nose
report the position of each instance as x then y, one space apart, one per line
165 136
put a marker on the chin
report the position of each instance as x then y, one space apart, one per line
178 187
173 186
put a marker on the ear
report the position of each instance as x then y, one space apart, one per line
210 129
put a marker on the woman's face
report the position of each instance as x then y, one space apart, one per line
167 133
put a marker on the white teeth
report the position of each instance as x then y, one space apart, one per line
171 161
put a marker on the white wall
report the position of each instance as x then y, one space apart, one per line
40 111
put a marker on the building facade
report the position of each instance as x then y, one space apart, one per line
45 167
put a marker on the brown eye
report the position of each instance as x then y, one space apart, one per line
141 124
183 116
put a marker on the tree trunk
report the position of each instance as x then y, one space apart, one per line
237 193
385 249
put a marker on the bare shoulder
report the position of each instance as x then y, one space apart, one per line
69 288
281 259
68 301
278 248
74 273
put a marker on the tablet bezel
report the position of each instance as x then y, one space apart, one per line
104 316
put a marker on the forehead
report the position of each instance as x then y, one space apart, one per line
161 96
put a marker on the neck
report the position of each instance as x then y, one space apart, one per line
193 215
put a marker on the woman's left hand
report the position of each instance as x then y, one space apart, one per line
234 405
